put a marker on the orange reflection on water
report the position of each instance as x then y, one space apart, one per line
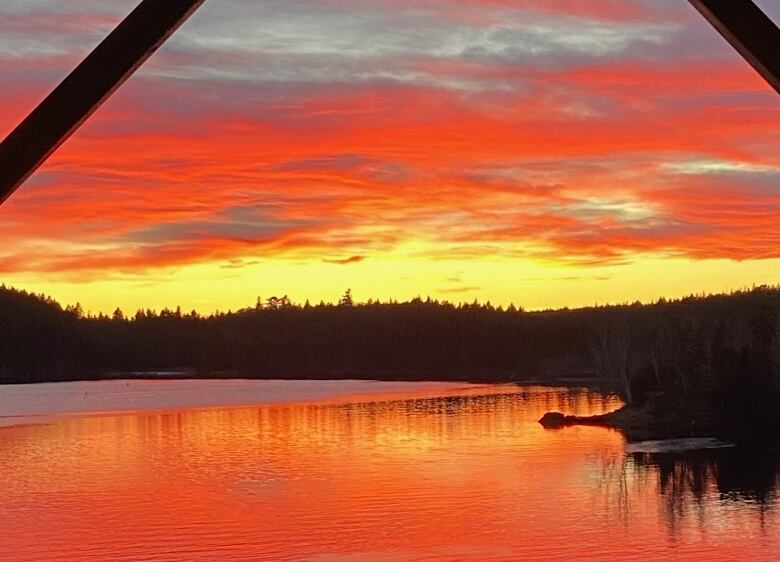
403 477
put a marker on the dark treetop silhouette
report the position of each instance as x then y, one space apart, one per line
741 22
691 358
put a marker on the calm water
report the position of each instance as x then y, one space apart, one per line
364 472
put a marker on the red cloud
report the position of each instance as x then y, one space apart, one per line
473 156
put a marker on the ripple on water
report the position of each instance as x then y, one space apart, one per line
411 473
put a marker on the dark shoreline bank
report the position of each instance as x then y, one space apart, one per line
637 424
583 380
714 359
660 419
654 420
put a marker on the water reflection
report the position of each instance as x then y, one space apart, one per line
467 476
703 489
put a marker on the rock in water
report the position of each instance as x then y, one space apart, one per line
553 420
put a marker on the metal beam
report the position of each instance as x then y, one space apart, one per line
87 87
749 30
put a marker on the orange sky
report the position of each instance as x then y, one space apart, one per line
567 154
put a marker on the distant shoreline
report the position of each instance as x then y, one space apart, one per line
695 366
43 403
585 380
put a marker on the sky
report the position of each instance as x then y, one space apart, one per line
549 154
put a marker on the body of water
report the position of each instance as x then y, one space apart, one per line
351 471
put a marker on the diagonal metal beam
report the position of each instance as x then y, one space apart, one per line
749 30
87 87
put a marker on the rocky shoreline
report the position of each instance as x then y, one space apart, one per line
660 417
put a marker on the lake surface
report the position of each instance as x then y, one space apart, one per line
351 471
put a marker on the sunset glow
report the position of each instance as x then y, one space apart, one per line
468 477
556 153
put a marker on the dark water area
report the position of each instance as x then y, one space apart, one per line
362 471
747 474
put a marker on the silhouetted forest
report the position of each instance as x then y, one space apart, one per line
723 348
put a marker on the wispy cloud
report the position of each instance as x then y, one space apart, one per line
346 261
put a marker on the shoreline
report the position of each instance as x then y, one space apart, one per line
567 379
659 418
637 424
662 417
33 405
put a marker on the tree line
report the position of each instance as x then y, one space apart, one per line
722 347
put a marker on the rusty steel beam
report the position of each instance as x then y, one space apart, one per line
87 87
750 32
